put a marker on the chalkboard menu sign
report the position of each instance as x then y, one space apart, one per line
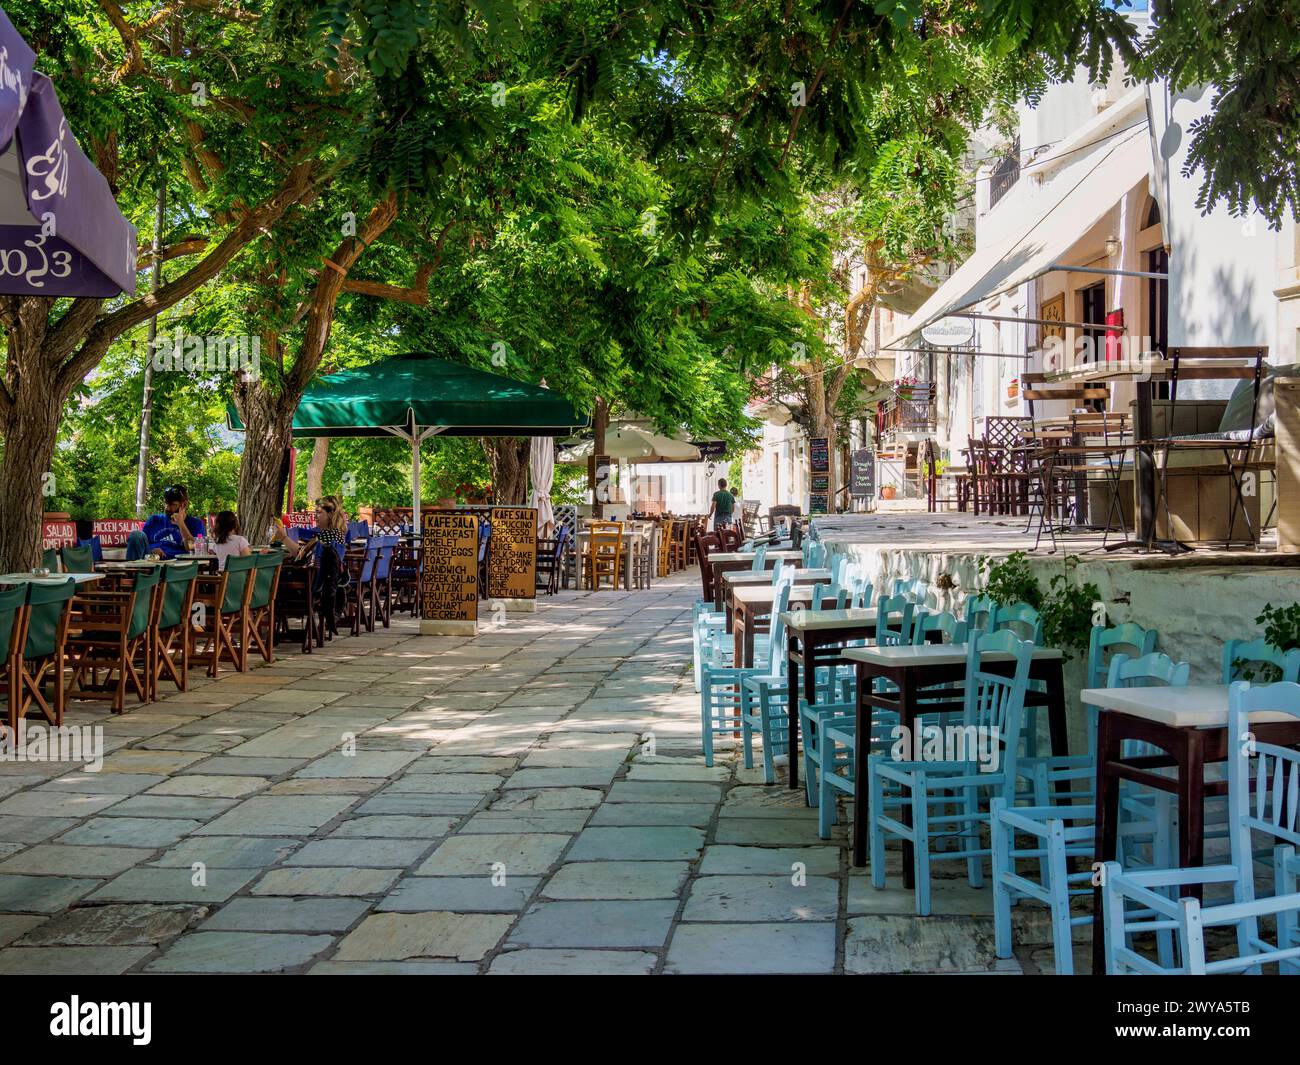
512 553
819 493
819 454
449 578
862 473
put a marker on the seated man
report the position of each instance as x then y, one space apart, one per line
171 532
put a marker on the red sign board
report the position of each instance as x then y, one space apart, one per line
58 534
300 521
1114 334
112 532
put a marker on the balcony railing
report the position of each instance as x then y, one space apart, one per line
1006 172
911 410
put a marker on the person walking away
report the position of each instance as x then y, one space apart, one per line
723 507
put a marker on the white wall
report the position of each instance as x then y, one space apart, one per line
1222 269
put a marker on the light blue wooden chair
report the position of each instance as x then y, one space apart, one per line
1249 659
979 611
1273 812
710 641
760 559
828 731
945 795
1062 826
1020 618
722 686
914 588
927 622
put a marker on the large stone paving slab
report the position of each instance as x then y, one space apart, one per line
509 855
573 962
595 924
617 880
289 815
238 952
115 925
461 894
286 915
654 843
763 898
752 948
438 934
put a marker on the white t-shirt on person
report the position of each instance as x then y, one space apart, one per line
234 545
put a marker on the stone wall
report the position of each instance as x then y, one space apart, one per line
1195 606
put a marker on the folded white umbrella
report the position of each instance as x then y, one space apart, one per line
632 443
541 468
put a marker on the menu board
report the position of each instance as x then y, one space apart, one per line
862 473
449 578
819 493
819 454
512 553
112 532
58 534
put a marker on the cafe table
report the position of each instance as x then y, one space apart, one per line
629 537
910 669
51 578
749 579
209 561
816 638
1189 725
750 603
721 562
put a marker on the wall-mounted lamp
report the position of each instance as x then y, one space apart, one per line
1112 246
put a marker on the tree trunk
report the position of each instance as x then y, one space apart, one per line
508 459
599 492
320 454
31 427
821 422
269 422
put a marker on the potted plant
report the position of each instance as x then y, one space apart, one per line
1013 388
888 491
903 387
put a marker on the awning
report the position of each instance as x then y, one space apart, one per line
1054 229
413 393
61 233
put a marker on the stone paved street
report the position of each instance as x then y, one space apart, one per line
528 801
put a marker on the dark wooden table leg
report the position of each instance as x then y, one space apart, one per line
1056 726
792 707
1107 820
1191 803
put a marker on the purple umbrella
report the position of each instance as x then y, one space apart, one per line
61 233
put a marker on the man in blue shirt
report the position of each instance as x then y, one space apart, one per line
171 532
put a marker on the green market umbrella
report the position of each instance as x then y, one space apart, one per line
416 396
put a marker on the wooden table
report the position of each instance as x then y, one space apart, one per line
53 578
628 536
209 561
747 579
1189 724
913 667
721 562
748 604
816 638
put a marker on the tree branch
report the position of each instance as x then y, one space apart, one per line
329 285
140 310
